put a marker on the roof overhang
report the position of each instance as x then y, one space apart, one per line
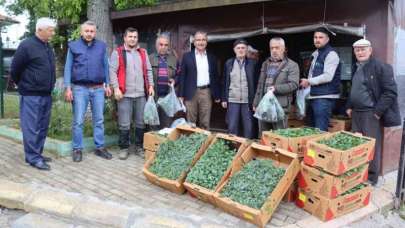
5 20
176 6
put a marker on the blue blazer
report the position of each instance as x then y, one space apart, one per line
188 76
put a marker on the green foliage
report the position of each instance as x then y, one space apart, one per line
175 157
343 141
357 188
209 170
298 132
126 4
352 171
254 183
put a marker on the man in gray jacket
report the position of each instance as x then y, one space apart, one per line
280 75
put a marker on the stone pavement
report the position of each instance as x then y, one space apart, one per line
123 182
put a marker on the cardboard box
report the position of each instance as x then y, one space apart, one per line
292 192
326 209
293 144
149 154
176 186
336 161
317 182
339 124
152 140
281 158
207 195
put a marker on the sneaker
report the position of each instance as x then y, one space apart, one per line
123 154
139 151
102 152
77 155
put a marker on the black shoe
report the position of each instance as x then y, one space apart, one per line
41 165
77 155
47 159
102 152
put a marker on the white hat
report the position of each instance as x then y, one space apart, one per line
362 43
251 49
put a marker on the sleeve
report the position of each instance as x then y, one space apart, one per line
388 90
18 64
182 76
291 85
106 70
67 75
329 68
260 86
224 84
113 67
149 70
216 84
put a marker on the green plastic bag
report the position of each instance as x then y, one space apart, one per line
150 113
269 109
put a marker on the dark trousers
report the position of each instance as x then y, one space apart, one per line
35 113
165 121
240 115
319 112
366 123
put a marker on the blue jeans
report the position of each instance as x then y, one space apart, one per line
240 115
82 95
35 113
320 110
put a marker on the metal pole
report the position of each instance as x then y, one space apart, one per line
1 78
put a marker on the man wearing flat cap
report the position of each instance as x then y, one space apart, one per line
324 79
280 75
373 101
239 90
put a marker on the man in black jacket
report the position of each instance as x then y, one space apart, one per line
33 70
373 100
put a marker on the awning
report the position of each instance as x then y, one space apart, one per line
349 30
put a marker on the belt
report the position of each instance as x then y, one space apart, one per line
203 87
92 86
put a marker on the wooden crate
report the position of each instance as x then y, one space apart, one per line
281 158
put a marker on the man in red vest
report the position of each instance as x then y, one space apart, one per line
132 80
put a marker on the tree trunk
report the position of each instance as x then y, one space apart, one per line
98 11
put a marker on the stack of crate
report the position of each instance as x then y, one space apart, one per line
332 182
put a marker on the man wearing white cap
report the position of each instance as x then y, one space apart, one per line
373 100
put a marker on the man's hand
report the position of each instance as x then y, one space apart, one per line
118 94
349 112
171 82
377 116
181 99
107 90
304 83
271 88
254 109
68 94
217 100
224 104
151 91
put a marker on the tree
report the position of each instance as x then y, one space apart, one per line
99 12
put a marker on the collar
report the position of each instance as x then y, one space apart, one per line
41 41
360 64
91 43
198 53
131 49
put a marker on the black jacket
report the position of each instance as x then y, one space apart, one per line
33 68
379 79
188 76
251 73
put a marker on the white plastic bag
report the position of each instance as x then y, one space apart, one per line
302 94
150 113
269 109
170 103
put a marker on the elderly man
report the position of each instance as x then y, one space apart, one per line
280 75
33 70
199 82
324 79
86 80
164 68
132 80
373 100
239 90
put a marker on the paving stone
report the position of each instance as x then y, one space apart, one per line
12 194
39 221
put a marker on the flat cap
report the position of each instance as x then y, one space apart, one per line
362 43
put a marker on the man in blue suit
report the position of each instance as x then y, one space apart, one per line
199 82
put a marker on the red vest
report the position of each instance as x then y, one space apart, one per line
121 72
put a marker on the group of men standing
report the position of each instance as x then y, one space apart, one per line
134 75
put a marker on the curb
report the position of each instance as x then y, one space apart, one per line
61 148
